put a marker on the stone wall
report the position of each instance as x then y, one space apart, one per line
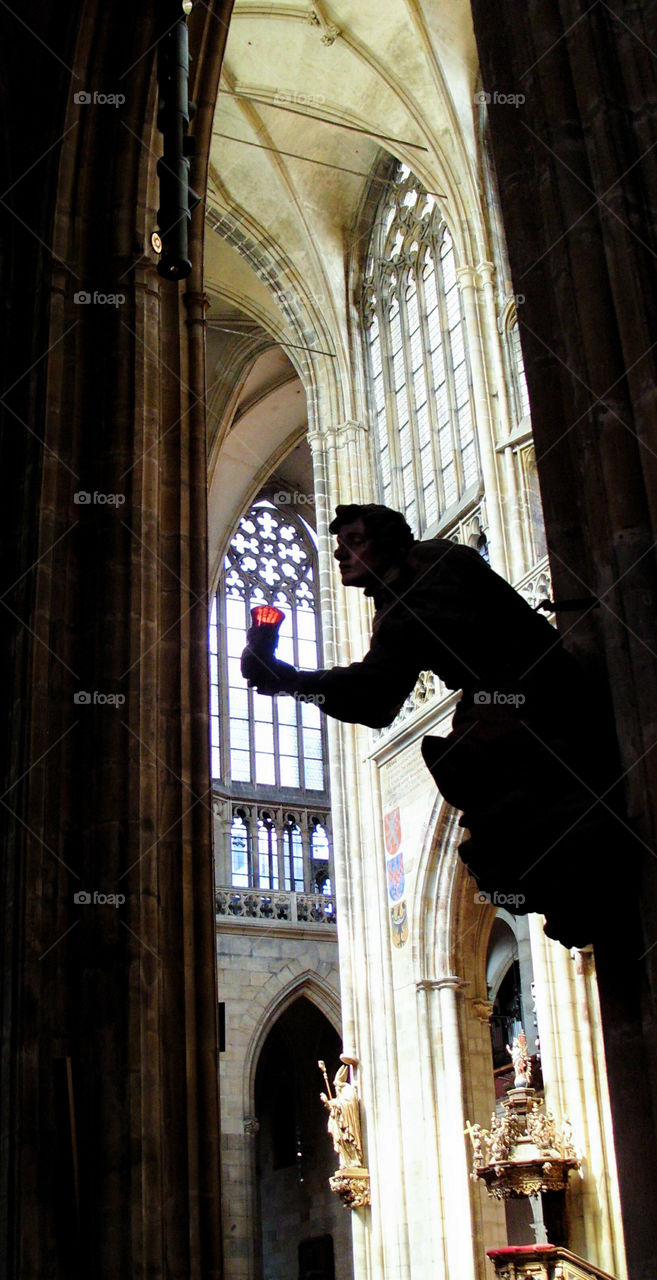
264 970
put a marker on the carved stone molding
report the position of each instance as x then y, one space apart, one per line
467 277
251 1127
486 272
353 1187
329 30
437 984
482 1009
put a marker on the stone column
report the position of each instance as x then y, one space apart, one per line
343 475
467 278
340 466
451 1118
252 1225
432 1173
111 1133
572 1060
509 496
223 822
577 172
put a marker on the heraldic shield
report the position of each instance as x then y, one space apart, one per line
399 920
396 877
392 831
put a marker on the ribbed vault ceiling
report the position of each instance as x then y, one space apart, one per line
310 97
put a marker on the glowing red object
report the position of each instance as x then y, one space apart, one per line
266 615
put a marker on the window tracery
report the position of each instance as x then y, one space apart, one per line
265 749
270 742
416 357
281 850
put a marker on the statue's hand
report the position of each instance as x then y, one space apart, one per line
267 675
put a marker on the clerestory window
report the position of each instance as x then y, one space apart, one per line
518 379
416 357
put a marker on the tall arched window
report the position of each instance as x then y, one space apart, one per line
268 754
520 392
416 358
272 742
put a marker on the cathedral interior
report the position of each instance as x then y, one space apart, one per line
416 265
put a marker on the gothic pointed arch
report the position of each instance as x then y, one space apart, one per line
314 989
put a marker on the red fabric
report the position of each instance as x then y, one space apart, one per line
513 1250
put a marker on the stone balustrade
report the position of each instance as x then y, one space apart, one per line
278 907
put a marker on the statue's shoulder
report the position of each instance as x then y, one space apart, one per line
441 552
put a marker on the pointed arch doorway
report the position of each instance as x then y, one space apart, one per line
301 1228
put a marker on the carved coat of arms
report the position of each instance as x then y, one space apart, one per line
399 920
392 831
396 877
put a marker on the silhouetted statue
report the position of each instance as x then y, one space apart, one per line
522 760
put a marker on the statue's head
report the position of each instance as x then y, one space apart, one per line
371 540
341 1079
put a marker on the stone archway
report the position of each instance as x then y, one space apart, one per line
452 929
294 1155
